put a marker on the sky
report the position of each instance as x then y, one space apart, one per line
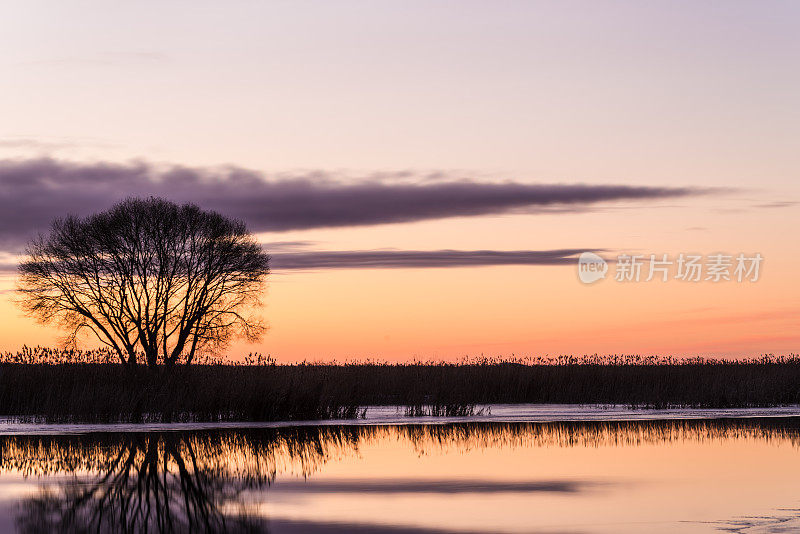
426 174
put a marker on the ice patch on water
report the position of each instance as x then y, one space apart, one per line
392 415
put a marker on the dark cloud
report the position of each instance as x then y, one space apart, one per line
388 259
313 260
34 191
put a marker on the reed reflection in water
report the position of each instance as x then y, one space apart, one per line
225 480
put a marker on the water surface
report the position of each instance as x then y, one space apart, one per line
730 474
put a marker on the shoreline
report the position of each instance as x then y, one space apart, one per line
393 416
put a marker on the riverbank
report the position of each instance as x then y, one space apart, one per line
89 392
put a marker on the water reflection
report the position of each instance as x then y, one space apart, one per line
214 480
143 483
158 482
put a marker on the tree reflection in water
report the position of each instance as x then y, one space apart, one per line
149 486
212 480
158 482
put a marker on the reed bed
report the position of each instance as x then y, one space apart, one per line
38 384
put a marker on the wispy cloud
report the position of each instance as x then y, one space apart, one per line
100 59
397 259
35 144
47 146
285 256
778 204
34 191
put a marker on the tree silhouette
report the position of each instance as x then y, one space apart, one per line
148 278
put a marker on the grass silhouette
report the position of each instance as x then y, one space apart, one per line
40 384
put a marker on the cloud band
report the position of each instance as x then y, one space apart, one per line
33 192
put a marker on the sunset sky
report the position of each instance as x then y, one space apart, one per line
425 174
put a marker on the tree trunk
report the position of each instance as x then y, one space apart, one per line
152 358
131 361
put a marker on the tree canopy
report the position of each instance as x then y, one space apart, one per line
155 281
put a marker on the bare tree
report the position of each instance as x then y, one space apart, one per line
148 277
